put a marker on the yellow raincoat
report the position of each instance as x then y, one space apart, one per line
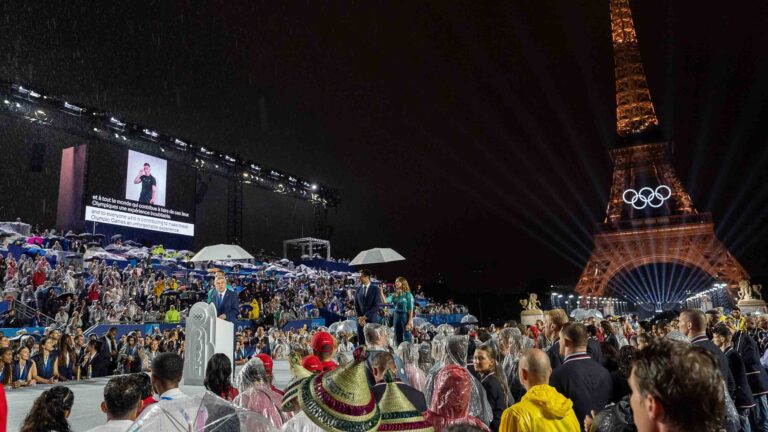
254 314
541 409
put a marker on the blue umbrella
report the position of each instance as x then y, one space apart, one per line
34 250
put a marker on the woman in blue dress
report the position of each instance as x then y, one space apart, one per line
6 366
24 369
402 300
47 361
67 358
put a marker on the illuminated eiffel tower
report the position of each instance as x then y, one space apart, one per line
650 218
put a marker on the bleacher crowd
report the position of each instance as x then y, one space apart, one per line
693 371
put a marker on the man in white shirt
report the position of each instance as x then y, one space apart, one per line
122 402
167 369
173 410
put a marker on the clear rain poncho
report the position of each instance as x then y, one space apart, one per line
438 353
452 401
425 357
205 412
257 395
455 353
512 344
410 355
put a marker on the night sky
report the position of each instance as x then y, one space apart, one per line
470 136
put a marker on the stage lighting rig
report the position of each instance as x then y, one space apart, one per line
205 152
72 109
150 134
229 159
116 124
23 102
26 93
179 144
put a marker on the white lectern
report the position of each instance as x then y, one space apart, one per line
206 335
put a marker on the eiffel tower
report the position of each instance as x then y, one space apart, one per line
650 218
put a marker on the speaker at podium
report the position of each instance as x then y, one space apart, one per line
206 335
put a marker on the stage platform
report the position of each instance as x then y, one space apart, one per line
86 413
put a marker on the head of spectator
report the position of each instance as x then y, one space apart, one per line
365 276
323 345
643 339
383 362
6 365
94 346
554 320
573 339
217 373
486 363
50 411
510 342
312 363
268 365
607 328
251 374
692 323
456 350
144 384
167 369
534 368
713 317
722 336
5 342
375 337
644 327
665 376
122 399
220 283
626 354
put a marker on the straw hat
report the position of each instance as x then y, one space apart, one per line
299 375
340 400
397 412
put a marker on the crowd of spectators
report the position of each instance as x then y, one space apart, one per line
692 371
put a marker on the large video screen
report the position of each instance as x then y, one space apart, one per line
138 190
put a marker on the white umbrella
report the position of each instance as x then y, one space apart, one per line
221 252
376 256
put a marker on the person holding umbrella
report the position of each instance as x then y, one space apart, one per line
368 301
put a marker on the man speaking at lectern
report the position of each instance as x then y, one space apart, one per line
225 300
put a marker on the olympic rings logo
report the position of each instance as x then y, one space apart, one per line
647 197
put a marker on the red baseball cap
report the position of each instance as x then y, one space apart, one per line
312 363
267 360
322 342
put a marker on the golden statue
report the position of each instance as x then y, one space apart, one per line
531 303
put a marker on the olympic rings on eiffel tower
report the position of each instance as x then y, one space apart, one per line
647 197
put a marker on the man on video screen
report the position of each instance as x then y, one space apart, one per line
148 185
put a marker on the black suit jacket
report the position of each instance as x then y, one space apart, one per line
368 304
585 382
230 306
415 397
704 342
99 367
593 349
750 354
743 397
